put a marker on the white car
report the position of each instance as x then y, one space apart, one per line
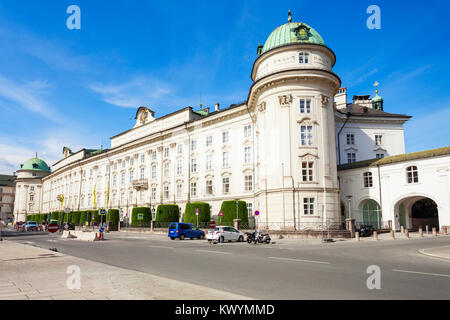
224 233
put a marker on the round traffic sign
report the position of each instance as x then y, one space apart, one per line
256 213
212 224
52 227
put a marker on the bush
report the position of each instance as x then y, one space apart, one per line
229 212
113 217
76 217
141 223
28 218
84 217
204 212
167 213
95 216
55 216
44 217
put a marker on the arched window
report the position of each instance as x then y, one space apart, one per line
368 182
412 174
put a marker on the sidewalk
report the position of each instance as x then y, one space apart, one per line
31 273
439 252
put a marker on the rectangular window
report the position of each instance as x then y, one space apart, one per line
351 157
166 169
166 152
131 161
308 206
250 209
378 139
209 187
123 163
193 165
115 166
31 189
209 141
153 193
305 106
131 176
142 176
91 172
179 167
141 195
142 158
166 192
122 198
368 183
153 155
226 185
248 155
108 168
193 145
350 139
130 197
379 155
225 137
193 189
31 197
208 162
306 135
303 57
122 178
180 148
153 172
114 180
247 131
179 190
307 171
225 159
248 183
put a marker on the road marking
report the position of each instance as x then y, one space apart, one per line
222 252
298 260
162 247
425 273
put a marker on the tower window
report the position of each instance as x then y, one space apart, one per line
412 174
305 106
351 157
303 57
306 135
308 206
350 138
307 171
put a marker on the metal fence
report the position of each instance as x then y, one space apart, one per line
377 225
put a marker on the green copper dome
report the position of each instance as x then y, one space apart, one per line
35 164
377 98
290 33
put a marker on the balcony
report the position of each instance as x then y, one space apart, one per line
141 184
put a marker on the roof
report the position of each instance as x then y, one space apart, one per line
362 111
291 33
396 159
7 180
35 164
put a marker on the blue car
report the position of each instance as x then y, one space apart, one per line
184 230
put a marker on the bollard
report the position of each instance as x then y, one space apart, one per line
357 236
407 233
375 235
434 232
421 232
445 230
402 229
392 234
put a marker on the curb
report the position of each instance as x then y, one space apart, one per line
422 251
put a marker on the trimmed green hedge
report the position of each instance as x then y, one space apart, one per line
44 217
84 217
113 217
29 217
141 223
229 212
204 212
167 213
76 217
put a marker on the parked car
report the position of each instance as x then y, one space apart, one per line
224 233
184 230
19 226
69 226
31 226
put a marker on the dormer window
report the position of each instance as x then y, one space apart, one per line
303 57
35 166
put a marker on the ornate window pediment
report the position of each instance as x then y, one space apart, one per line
307 121
308 157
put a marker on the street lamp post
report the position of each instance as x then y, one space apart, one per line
349 198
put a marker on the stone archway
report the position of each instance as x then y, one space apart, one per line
412 212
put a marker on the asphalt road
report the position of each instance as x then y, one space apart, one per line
284 270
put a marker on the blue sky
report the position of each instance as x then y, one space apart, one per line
77 88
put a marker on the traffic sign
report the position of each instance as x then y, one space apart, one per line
102 211
220 213
140 216
52 227
67 210
212 224
101 229
256 213
196 212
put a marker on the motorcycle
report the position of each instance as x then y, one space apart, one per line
258 237
365 231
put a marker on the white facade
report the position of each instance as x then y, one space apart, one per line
7 196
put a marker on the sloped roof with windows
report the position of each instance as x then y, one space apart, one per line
395 159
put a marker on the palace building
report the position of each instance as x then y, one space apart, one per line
296 150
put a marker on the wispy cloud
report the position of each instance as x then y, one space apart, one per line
133 93
27 95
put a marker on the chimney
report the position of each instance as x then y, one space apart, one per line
341 99
217 107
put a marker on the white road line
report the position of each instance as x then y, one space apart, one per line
298 260
161 247
222 252
424 273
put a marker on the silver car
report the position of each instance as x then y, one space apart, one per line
224 233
